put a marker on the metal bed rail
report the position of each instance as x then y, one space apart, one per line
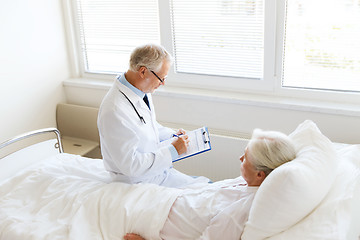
34 133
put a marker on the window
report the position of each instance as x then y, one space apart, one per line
110 30
272 46
217 36
322 45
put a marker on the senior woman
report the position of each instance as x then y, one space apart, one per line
220 210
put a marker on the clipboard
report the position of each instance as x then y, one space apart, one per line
199 143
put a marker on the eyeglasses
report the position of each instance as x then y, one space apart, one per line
161 80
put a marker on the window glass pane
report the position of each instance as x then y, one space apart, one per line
110 30
322 45
219 37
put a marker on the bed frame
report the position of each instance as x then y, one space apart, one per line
27 135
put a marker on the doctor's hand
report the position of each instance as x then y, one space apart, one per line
181 143
181 132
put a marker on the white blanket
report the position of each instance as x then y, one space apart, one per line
71 197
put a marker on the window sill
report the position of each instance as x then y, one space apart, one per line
295 104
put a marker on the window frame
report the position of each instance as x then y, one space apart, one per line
224 83
270 85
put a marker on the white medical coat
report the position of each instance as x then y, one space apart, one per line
130 148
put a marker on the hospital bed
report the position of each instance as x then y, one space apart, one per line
48 194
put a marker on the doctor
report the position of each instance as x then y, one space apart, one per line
130 136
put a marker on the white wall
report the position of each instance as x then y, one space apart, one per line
221 162
236 115
33 64
242 116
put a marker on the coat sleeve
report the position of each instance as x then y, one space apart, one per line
164 132
120 146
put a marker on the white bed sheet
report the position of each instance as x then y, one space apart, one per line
19 160
76 200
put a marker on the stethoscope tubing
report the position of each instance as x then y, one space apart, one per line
140 117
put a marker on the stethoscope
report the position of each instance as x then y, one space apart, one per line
141 118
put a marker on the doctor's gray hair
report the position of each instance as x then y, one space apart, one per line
270 149
150 56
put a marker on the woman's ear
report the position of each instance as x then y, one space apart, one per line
261 176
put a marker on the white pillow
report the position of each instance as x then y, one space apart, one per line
296 188
337 216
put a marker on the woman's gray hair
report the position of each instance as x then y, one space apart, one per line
150 56
270 149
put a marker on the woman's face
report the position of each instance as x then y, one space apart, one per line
248 171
